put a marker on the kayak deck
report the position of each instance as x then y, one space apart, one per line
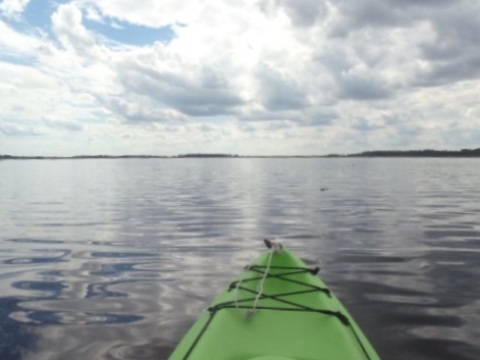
276 309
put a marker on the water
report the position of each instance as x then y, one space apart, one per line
114 259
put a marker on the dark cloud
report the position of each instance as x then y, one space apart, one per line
451 54
9 129
454 53
304 13
69 125
137 109
320 116
354 78
205 93
277 91
355 15
365 86
447 72
390 119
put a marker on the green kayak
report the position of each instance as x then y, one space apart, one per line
276 309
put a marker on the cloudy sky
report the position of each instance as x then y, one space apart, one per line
249 77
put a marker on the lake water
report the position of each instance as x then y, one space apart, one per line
115 259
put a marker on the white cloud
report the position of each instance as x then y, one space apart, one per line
68 27
13 8
266 76
93 14
17 45
26 92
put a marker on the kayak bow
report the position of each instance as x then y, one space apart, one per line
276 309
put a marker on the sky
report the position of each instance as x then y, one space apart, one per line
250 77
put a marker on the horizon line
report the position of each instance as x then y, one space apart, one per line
368 153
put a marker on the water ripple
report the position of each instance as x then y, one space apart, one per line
116 259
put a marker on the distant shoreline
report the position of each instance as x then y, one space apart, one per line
464 153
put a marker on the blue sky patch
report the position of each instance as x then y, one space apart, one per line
38 12
127 33
17 59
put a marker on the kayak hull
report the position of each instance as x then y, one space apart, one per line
276 309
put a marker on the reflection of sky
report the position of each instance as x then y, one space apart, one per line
120 256
15 337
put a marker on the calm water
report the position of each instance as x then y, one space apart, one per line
114 259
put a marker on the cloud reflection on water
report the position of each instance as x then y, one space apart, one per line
398 245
